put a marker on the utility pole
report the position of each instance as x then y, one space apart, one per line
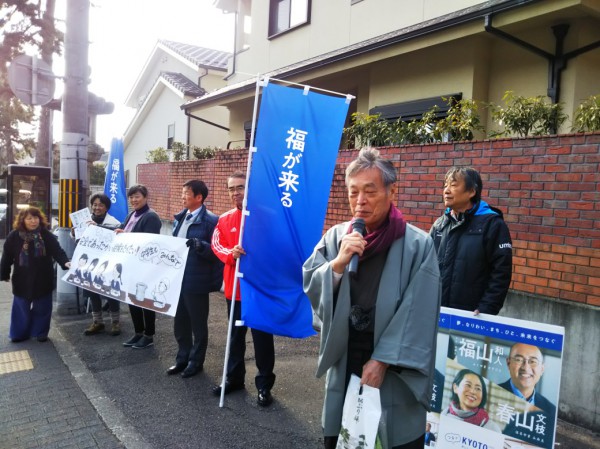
74 146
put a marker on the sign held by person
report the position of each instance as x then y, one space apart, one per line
136 268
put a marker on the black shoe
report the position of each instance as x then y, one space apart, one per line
264 398
143 342
229 387
18 340
42 338
133 340
191 370
176 369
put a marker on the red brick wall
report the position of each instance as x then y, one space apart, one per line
548 189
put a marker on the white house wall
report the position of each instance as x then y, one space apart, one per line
153 132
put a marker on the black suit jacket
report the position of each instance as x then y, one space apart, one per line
547 416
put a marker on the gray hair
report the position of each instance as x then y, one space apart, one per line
369 158
471 177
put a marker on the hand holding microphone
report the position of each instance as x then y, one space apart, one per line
358 225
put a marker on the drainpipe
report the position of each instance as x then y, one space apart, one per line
557 62
204 120
235 38
187 139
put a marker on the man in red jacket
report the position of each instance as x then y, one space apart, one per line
225 245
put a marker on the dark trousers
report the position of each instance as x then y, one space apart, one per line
96 302
264 352
360 349
30 318
419 443
191 328
143 320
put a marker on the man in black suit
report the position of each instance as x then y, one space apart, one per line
203 274
526 366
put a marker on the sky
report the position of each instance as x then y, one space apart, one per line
122 36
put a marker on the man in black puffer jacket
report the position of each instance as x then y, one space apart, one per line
473 245
203 274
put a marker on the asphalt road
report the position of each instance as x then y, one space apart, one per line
146 408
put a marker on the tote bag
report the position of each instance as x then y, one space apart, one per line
360 419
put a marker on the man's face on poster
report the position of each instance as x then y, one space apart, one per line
526 366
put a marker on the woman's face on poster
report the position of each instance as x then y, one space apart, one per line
469 392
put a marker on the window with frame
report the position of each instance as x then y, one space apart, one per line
171 136
414 110
287 14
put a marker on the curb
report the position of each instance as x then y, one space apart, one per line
114 419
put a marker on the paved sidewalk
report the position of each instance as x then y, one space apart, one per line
41 404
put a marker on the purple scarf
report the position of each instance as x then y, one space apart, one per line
382 238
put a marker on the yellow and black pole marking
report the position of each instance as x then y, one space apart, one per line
69 193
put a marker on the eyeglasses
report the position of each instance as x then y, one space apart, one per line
236 189
533 362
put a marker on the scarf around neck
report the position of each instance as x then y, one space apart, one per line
142 210
382 238
35 240
98 219
479 416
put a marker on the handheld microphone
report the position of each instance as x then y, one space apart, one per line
358 225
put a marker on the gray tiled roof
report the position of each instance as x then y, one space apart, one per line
183 84
200 56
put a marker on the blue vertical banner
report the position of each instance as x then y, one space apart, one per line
114 183
297 140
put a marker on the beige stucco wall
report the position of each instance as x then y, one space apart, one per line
213 80
463 58
239 114
205 135
334 24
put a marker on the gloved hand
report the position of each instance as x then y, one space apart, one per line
194 243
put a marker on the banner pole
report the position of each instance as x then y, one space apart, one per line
306 86
251 150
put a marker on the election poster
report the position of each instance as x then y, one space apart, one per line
496 383
136 268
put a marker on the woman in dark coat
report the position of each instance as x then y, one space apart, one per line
100 205
31 248
142 219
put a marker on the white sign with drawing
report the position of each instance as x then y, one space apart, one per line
142 269
80 220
